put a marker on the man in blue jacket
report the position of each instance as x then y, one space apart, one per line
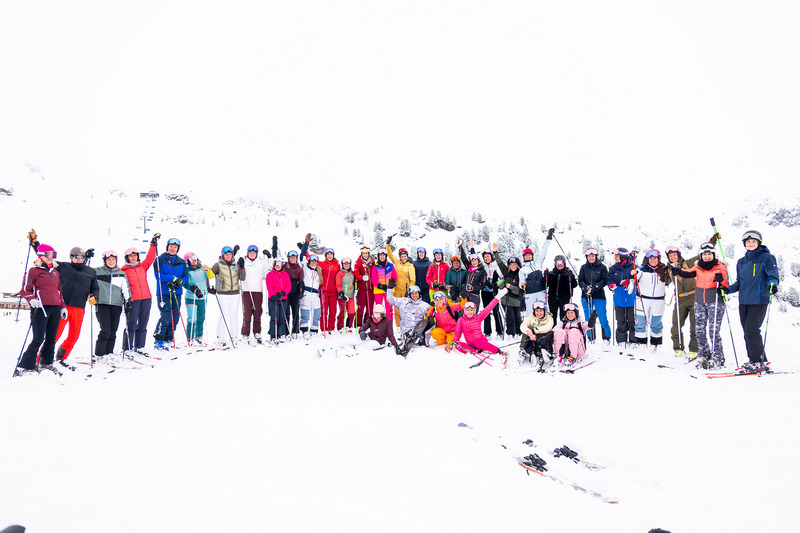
620 281
171 274
756 281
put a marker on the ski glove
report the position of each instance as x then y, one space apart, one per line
502 292
612 286
241 262
64 314
550 233
177 282
382 286
280 295
196 290
89 253
235 249
341 297
392 283
212 290
773 289
624 282
155 238
266 252
362 335
274 298
32 237
718 278
35 303
676 271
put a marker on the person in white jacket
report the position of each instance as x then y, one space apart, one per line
253 292
531 277
651 287
310 303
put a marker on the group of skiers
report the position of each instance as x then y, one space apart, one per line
432 301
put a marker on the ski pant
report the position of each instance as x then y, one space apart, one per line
598 305
708 324
44 324
513 320
277 318
136 325
441 336
228 322
108 319
252 309
293 309
481 344
349 308
75 321
486 298
542 342
330 304
170 307
751 317
626 326
424 291
556 304
679 315
365 299
649 311
381 299
569 342
309 319
195 317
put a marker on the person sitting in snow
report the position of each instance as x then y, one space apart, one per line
537 333
469 325
412 309
569 337
442 317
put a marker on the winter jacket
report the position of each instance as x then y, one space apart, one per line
167 268
411 311
539 326
456 279
312 278
406 274
593 278
531 272
619 272
278 281
137 275
471 327
651 281
437 275
475 281
198 277
754 274
382 274
686 286
445 317
78 281
704 273
256 274
329 270
379 331
492 273
227 276
513 297
112 285
560 282
421 272
44 283
346 283
295 272
363 269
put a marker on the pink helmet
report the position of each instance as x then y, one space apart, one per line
109 253
43 249
345 260
189 257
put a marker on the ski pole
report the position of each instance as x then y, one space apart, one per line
177 304
714 329
172 317
724 302
25 273
22 349
563 252
222 314
766 328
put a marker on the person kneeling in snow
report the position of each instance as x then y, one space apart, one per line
412 311
470 326
569 337
537 333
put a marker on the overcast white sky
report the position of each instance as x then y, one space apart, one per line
554 105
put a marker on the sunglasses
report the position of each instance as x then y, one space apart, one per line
78 256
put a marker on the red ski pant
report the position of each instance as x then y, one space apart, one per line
365 299
329 303
348 308
75 321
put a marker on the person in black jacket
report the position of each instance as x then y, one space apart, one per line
78 285
559 282
421 264
592 280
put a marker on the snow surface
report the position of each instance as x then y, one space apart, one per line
280 439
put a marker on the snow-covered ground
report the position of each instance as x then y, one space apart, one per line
277 438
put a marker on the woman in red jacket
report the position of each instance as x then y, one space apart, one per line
135 334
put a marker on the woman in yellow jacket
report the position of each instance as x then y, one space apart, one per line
406 275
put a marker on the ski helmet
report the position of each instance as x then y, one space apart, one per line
292 253
622 252
560 258
252 248
539 305
109 253
188 257
671 249
527 251
175 241
413 288
488 251
365 249
313 257
437 251
277 264
473 256
652 253
402 251
227 250
346 260
439 294
379 309
469 305
383 251
47 251
76 252
329 251
590 251
515 260
422 249
752 234
707 248
570 307
455 258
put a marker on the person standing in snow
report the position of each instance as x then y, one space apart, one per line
227 278
493 277
310 307
560 283
171 276
365 297
295 271
406 274
421 265
135 335
437 272
651 286
345 295
619 281
198 276
531 276
328 294
569 337
513 298
252 286
279 285
113 295
709 306
592 280
757 280
475 278
41 288
384 278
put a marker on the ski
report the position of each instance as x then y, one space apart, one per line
574 369
740 374
572 455
485 359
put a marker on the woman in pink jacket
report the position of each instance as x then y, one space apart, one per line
569 336
470 326
384 278
279 285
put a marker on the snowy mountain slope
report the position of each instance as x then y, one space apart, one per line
277 438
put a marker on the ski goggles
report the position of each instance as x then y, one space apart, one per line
470 305
571 307
402 251
438 294
421 250
252 248
752 234
413 288
539 305
620 252
227 250
312 258
437 251
590 251
292 253
652 253
49 255
671 249
455 259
